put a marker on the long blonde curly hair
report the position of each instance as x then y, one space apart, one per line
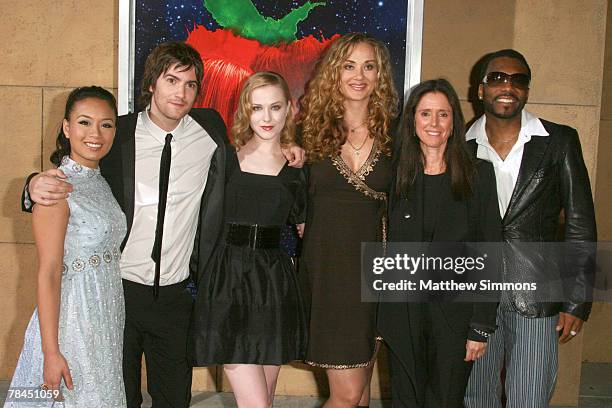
241 128
322 107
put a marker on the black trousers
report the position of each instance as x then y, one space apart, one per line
158 328
438 349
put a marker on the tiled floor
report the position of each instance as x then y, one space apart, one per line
596 386
595 392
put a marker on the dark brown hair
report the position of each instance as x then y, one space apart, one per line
410 161
161 59
62 143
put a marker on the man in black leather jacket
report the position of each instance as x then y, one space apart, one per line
542 182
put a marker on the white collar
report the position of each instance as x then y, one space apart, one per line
159 133
530 126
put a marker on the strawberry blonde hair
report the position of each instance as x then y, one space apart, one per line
241 128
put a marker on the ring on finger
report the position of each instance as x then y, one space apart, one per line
573 332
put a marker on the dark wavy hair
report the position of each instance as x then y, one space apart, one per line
410 161
161 59
62 143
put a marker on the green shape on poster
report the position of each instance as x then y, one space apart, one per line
242 17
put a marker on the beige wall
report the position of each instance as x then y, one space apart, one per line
50 47
598 333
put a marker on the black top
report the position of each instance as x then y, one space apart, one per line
272 199
475 219
432 191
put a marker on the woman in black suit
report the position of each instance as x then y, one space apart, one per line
440 194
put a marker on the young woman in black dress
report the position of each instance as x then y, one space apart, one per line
249 311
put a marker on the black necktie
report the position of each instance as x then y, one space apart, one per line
164 174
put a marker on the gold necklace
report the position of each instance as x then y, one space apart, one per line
352 130
357 149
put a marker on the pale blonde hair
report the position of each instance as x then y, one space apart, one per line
241 128
322 108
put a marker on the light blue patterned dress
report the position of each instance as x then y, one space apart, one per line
92 310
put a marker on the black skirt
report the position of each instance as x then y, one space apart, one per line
249 309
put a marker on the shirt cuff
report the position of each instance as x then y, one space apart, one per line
478 335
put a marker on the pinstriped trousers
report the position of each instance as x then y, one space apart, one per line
528 347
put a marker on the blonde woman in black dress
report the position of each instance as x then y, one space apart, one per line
346 118
249 314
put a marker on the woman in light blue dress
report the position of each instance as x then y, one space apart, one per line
73 344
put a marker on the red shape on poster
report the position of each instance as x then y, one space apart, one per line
229 59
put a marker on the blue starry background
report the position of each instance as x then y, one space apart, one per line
158 21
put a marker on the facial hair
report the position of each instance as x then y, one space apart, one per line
489 107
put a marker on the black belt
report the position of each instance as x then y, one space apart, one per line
253 236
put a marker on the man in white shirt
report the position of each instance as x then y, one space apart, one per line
167 171
158 308
540 175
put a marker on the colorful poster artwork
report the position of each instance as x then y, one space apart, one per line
239 37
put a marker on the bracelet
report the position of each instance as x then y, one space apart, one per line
27 201
482 333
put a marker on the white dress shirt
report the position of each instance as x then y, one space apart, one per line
192 150
506 171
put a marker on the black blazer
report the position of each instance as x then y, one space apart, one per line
552 178
474 220
118 168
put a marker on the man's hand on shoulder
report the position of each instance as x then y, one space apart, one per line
568 327
49 187
295 155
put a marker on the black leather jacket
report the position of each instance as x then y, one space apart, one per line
552 187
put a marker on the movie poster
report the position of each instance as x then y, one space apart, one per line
239 37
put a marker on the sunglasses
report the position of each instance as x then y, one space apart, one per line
494 79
